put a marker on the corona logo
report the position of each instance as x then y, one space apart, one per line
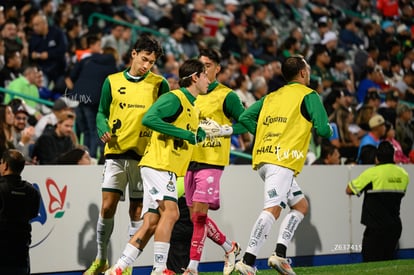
44 224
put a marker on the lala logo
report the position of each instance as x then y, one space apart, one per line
44 223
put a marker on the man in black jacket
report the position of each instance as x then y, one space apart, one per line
19 203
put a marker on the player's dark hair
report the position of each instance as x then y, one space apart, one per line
212 54
385 152
148 44
14 159
189 68
292 66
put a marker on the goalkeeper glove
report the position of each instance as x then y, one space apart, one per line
213 129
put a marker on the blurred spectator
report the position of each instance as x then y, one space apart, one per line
22 133
253 42
399 156
48 121
297 33
330 41
246 62
12 42
6 131
181 13
172 80
321 8
407 14
371 35
374 136
260 16
334 100
386 35
404 128
277 80
388 8
316 35
242 90
290 47
115 40
368 153
329 155
76 156
349 35
259 87
88 76
270 50
61 18
230 8
346 141
342 73
50 145
320 66
396 73
25 85
234 41
388 109
361 64
47 8
93 45
364 114
47 47
406 86
11 69
173 50
44 92
373 99
73 31
225 75
370 83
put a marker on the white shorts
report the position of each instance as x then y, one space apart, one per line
158 186
280 186
118 173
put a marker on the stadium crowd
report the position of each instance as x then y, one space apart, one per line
361 55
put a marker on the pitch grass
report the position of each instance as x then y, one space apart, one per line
399 267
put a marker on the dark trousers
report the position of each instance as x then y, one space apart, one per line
179 253
379 244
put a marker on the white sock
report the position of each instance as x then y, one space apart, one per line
193 265
129 255
104 228
133 227
260 232
160 256
288 227
227 245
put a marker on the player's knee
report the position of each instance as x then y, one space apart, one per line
199 218
302 206
108 211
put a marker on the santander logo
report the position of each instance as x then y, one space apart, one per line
44 223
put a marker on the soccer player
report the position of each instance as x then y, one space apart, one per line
174 120
384 186
126 96
202 181
282 123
